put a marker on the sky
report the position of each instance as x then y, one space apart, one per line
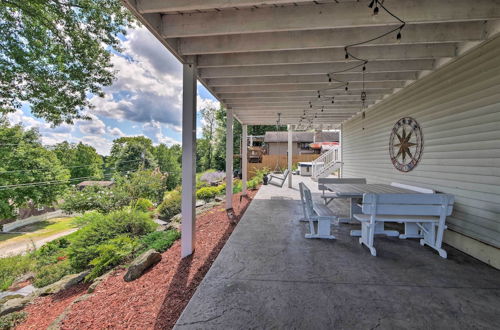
145 99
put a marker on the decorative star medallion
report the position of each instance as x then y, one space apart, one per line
406 144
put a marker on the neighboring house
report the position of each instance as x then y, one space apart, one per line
28 211
277 142
84 184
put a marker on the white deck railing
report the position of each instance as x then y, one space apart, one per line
325 162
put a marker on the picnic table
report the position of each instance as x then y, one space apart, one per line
354 192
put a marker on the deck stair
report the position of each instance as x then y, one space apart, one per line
326 164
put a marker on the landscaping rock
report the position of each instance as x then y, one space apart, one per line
141 263
14 305
219 198
98 281
4 299
66 282
200 203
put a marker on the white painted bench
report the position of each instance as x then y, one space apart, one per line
427 211
329 196
318 213
281 178
412 230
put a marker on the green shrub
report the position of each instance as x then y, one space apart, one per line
11 320
202 184
112 253
52 273
143 205
12 267
171 205
252 184
85 246
221 189
160 240
86 218
237 186
206 193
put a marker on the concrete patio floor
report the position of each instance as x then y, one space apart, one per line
268 276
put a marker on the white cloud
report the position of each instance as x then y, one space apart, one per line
154 131
115 131
101 144
202 103
93 126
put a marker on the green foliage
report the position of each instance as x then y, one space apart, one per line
23 161
207 193
55 53
142 184
52 273
128 154
86 218
237 186
171 205
112 253
11 320
143 205
160 240
82 160
12 267
169 162
85 245
102 199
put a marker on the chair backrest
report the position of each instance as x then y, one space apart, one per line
414 188
408 204
307 202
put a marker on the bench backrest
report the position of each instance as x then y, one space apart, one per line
307 202
414 188
408 204
323 181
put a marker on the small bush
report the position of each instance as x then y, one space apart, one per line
86 218
52 273
171 205
237 186
143 205
11 320
85 246
207 193
212 176
111 254
12 267
160 240
221 189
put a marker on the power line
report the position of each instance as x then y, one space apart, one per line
68 167
48 183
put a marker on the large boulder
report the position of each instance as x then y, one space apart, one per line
14 305
141 263
64 283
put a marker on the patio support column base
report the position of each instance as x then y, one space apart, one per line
188 159
229 159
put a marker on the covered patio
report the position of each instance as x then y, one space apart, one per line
421 77
268 276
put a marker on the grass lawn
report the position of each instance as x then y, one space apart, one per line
39 230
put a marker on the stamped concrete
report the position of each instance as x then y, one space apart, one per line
268 276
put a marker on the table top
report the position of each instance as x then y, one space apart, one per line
360 189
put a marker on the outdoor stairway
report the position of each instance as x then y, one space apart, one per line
326 164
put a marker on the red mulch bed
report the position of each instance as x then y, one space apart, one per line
155 300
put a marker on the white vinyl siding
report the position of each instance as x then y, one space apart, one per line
458 108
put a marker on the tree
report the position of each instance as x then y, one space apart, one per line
168 162
54 53
128 154
82 160
29 173
148 184
209 115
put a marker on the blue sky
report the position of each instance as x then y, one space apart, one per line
145 99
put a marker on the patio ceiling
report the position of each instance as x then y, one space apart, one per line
265 57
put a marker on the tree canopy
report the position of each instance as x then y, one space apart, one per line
55 53
82 160
29 173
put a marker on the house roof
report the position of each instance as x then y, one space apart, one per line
308 137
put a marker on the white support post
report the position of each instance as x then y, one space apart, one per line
188 159
229 159
290 155
341 140
244 158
